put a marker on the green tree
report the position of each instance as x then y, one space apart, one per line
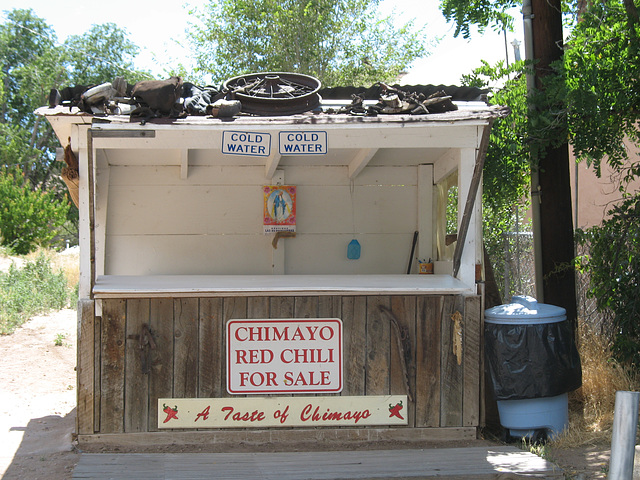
28 218
479 13
30 66
603 111
506 174
547 132
32 62
592 98
603 86
101 54
337 41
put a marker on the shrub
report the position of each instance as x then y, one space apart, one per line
614 267
28 218
28 291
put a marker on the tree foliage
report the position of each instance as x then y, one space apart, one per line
28 218
101 54
506 173
592 98
29 64
603 85
479 13
614 267
337 41
32 62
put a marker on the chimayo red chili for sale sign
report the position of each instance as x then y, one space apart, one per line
282 412
286 356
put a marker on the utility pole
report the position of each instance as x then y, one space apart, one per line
551 187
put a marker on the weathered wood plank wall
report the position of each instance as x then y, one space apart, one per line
185 356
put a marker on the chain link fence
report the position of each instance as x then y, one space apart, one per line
600 322
514 271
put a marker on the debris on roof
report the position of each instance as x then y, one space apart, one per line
260 94
393 100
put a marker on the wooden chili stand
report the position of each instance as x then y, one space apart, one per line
174 250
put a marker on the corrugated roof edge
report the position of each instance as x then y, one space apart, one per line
460 94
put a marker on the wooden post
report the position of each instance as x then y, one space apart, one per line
86 367
625 423
554 193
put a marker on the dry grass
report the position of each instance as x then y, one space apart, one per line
67 261
591 407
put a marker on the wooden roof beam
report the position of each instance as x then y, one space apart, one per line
271 164
360 160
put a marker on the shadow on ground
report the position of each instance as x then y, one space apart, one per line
46 450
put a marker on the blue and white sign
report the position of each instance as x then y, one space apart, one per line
246 143
303 143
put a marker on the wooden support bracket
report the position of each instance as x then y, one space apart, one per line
471 197
361 160
271 164
184 163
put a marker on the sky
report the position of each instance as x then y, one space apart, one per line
158 28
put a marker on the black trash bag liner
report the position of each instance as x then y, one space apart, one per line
531 360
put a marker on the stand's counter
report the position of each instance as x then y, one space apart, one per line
123 286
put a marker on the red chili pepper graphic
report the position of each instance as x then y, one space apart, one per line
395 411
171 413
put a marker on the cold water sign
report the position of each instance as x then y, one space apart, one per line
303 143
246 143
284 356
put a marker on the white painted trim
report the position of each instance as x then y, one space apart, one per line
425 213
465 175
349 135
79 146
101 203
143 286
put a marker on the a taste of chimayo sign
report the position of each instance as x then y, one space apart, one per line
282 412
283 356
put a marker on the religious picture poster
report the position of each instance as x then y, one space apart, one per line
279 208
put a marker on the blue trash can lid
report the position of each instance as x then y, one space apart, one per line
525 310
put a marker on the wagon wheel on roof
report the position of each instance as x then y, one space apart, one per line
275 93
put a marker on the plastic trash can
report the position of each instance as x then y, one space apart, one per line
532 363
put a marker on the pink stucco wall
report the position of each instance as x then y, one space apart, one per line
595 195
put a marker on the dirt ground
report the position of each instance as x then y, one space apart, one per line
37 398
37 406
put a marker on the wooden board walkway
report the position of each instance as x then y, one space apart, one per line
504 463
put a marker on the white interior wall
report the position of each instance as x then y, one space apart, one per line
211 222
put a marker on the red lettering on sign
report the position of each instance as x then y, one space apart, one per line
307 379
254 356
258 379
255 416
307 415
298 335
307 355
203 414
